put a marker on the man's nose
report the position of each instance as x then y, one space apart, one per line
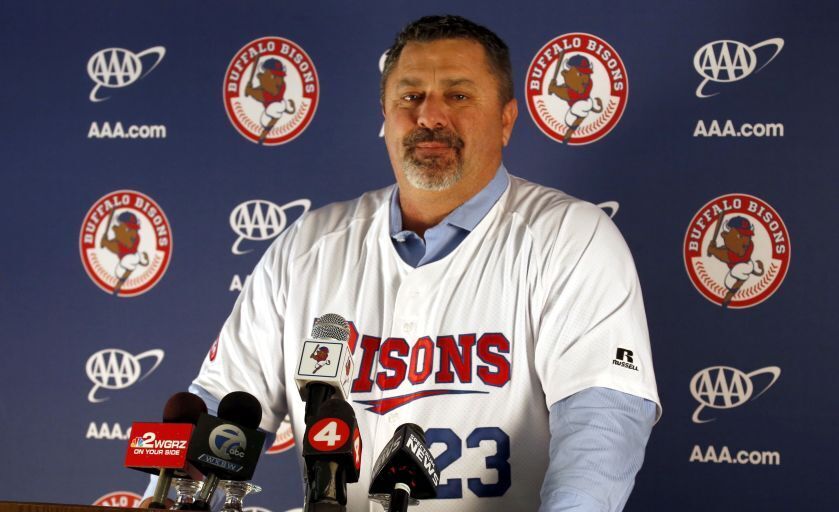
432 113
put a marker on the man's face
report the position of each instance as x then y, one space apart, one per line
443 116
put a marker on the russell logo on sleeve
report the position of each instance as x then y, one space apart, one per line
625 358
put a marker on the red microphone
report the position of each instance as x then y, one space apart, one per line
332 451
161 448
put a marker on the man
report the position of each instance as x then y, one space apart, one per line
489 310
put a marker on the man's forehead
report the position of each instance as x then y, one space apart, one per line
452 59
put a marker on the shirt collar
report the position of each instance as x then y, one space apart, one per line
465 216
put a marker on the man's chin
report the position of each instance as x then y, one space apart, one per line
431 176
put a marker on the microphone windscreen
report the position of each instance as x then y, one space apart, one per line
331 327
183 407
241 408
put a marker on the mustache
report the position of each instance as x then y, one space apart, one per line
443 135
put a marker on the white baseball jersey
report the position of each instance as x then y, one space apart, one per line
541 300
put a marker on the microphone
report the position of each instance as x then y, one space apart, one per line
405 471
226 447
162 447
332 451
325 365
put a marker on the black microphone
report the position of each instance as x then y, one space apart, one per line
405 471
226 447
332 451
325 365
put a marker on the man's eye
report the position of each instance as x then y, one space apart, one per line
410 97
459 97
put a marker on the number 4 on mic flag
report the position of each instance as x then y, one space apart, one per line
329 434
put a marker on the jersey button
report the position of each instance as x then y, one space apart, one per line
408 327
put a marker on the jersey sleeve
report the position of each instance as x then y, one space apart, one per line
248 354
592 329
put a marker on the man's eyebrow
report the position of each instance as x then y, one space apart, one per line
448 82
453 82
408 82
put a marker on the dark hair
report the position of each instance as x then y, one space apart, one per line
434 28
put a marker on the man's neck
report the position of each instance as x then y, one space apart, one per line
424 209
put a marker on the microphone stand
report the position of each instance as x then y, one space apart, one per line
202 501
399 498
326 488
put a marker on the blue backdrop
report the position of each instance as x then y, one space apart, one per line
724 103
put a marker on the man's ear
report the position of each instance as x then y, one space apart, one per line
509 113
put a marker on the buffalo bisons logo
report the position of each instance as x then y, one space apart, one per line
284 440
271 91
125 243
214 349
321 356
576 88
737 251
119 499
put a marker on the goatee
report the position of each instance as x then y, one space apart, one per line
437 172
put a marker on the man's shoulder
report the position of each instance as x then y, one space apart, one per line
548 210
336 218
560 228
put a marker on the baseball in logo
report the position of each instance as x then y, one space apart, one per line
576 89
125 243
737 251
271 91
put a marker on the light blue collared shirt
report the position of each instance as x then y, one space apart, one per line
598 435
443 238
